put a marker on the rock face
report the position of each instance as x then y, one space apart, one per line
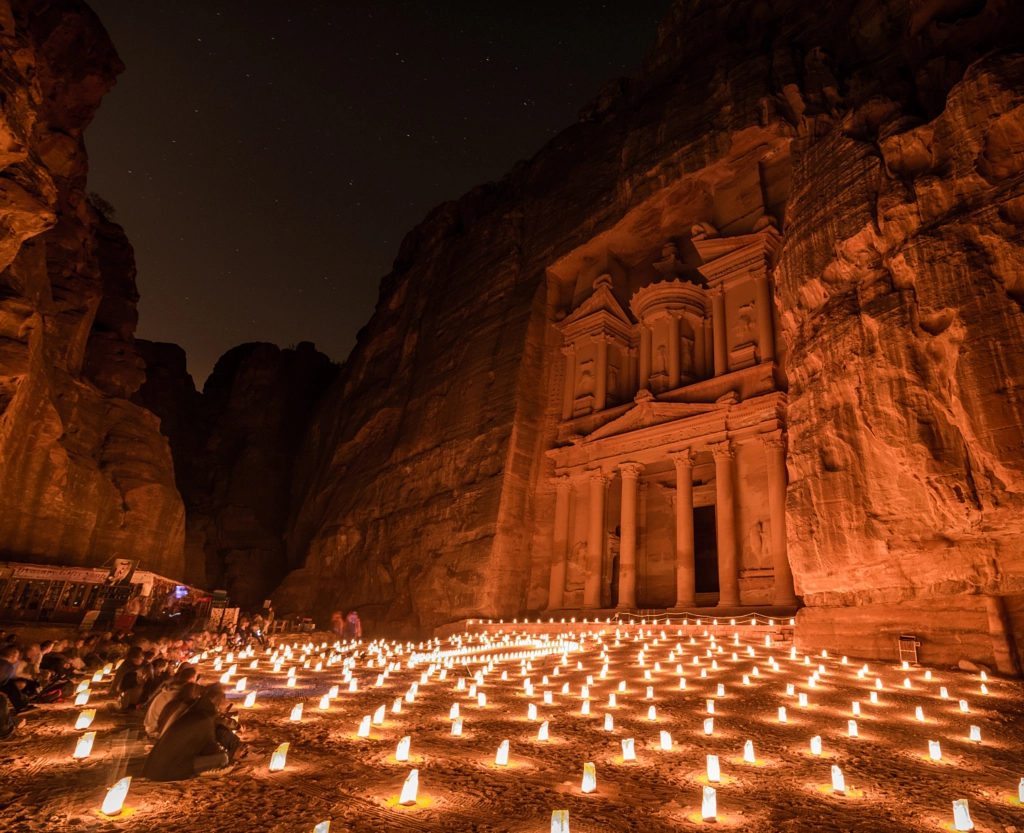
885 141
84 474
234 446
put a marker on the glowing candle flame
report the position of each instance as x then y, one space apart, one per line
114 801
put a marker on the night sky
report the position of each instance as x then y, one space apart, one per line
267 158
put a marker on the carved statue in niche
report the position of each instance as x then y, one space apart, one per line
661 362
686 357
761 544
576 567
613 381
743 331
585 385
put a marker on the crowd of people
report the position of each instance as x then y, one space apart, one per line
189 723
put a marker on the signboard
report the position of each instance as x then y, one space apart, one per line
38 573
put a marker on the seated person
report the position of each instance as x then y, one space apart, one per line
130 679
161 674
9 683
196 742
29 672
164 695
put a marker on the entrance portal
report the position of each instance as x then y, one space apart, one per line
705 550
615 581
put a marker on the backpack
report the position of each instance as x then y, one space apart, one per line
57 692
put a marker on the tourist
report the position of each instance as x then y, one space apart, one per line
164 695
196 742
28 670
9 684
353 627
130 679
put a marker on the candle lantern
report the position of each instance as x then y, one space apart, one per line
85 719
364 727
585 708
709 805
240 685
964 707
919 714
589 778
851 728
481 699
934 750
457 727
84 746
652 713
816 745
711 706
402 753
782 714
714 772
628 751
962 815
323 827
113 803
501 759
410 788
976 733
531 712
82 699
709 725
838 782
666 741
325 702
277 760
856 707
748 752
608 723
559 821
250 700
296 713
543 733
453 712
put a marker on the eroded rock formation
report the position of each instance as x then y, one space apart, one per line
85 475
884 141
234 447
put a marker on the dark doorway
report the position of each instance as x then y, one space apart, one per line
615 581
705 549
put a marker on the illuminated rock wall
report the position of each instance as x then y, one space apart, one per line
84 474
424 489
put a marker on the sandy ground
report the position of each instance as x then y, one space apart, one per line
354 782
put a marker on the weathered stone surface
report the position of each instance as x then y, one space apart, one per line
234 447
885 139
85 474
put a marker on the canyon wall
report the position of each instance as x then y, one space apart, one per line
423 491
234 447
85 475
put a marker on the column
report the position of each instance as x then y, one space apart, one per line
595 539
718 325
673 351
709 351
686 580
698 348
631 364
765 331
725 513
775 451
645 357
569 396
627 540
560 545
601 382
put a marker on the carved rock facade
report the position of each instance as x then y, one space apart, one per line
866 164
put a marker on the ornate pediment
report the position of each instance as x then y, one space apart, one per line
649 411
600 308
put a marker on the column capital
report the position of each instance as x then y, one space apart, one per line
717 291
562 483
631 469
602 338
774 442
598 476
683 459
722 451
569 349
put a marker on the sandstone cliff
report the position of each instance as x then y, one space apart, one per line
234 447
885 140
84 474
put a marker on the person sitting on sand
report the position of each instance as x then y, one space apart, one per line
196 742
164 695
130 679
9 683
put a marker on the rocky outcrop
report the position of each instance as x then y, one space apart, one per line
85 474
884 139
903 313
234 447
